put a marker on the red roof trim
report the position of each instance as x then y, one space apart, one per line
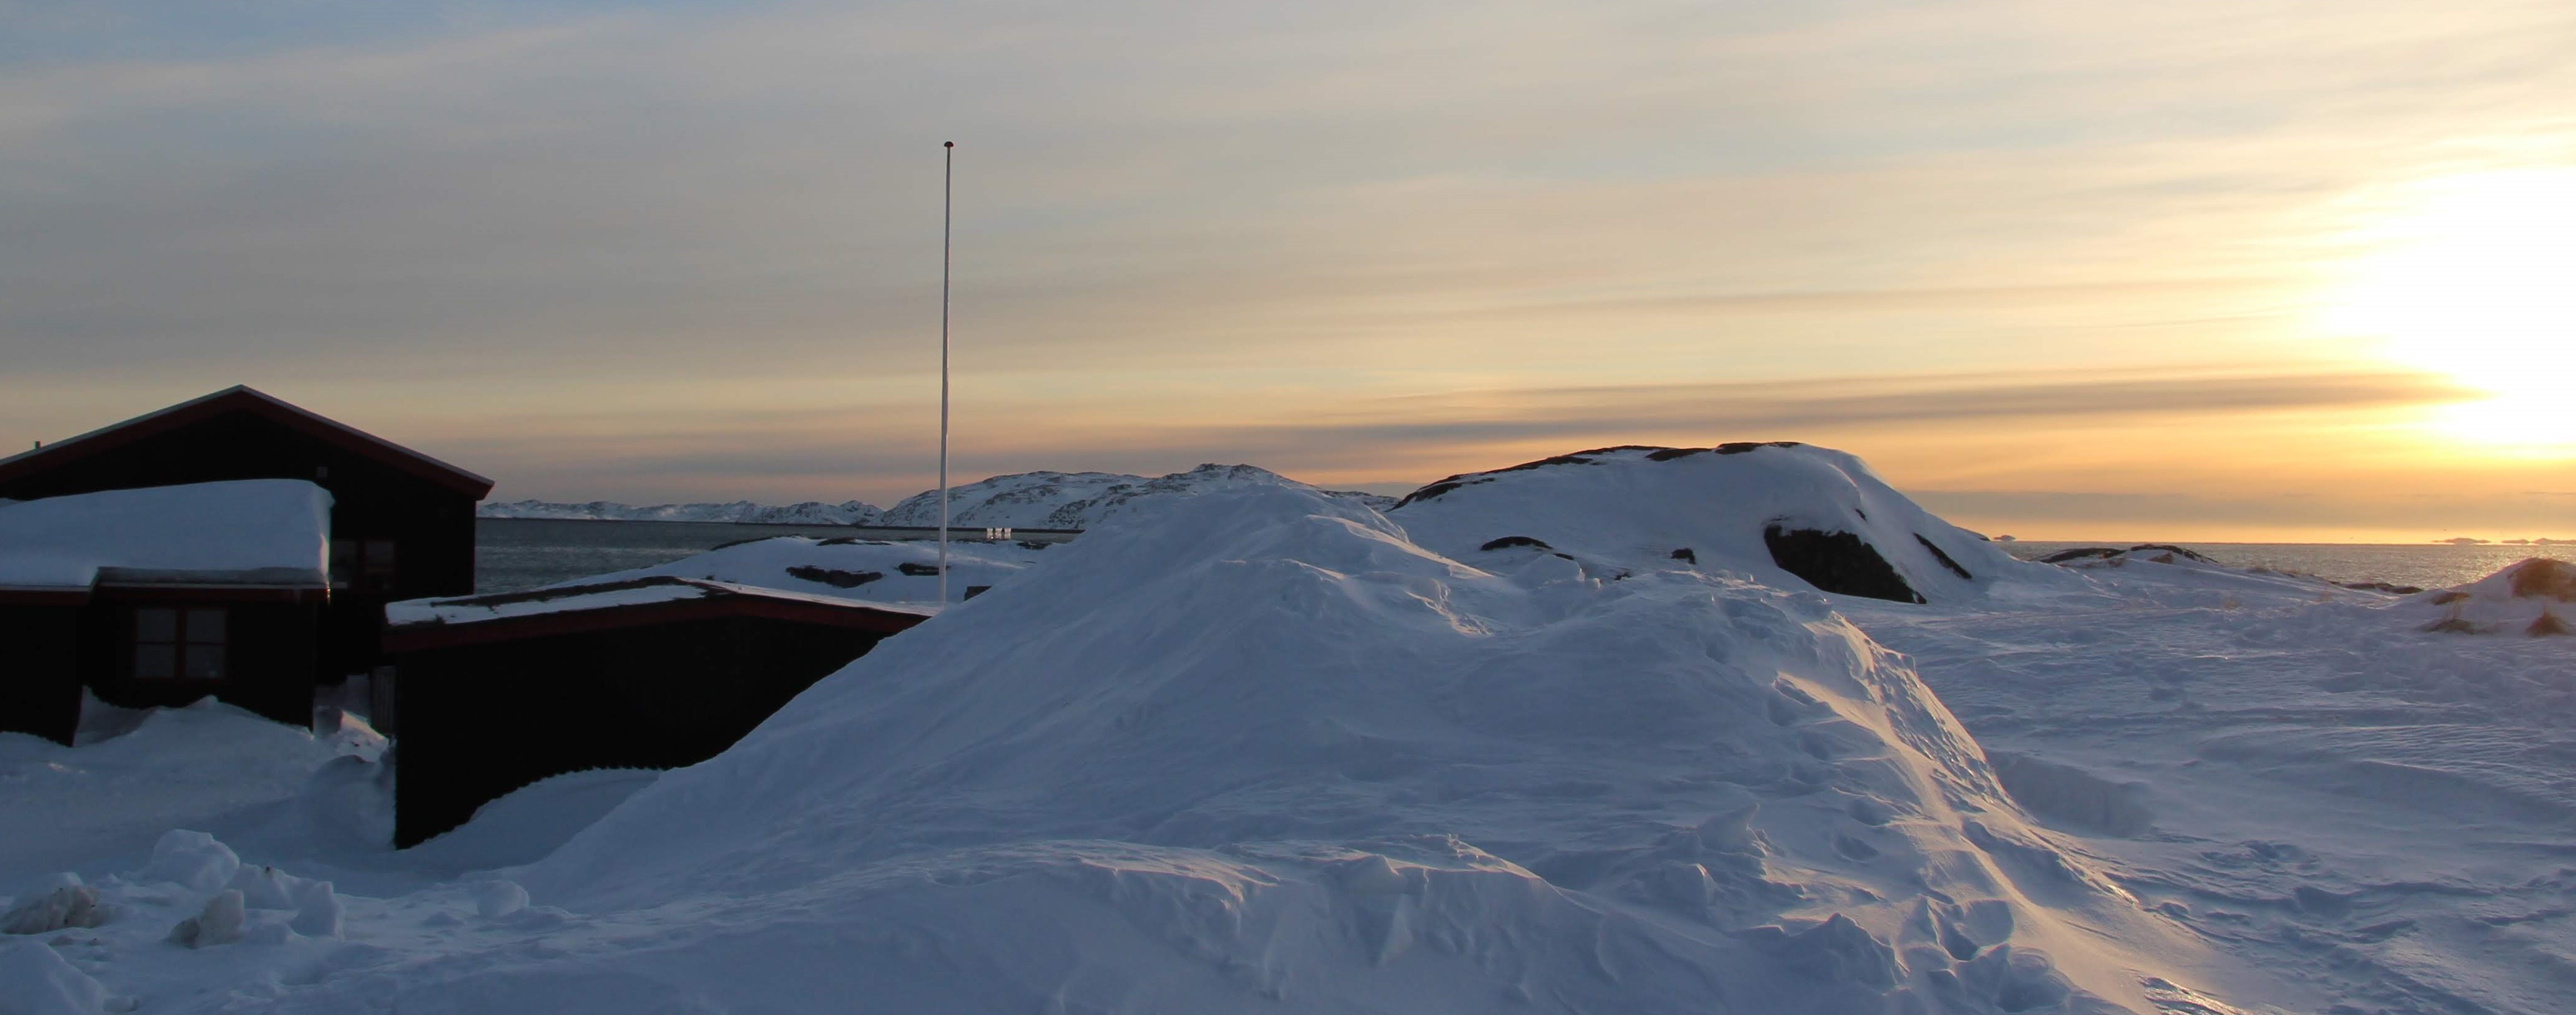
417 637
244 399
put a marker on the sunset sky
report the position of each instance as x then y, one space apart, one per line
2247 270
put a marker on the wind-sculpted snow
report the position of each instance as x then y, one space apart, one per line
1785 515
1257 748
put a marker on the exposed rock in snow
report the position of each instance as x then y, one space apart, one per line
1081 500
1785 515
2535 597
741 511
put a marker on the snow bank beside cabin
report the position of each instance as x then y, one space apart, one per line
254 531
1257 749
1786 515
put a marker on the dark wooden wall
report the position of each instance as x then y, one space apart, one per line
39 677
432 525
54 651
479 721
269 650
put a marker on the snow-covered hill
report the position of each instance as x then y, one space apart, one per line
1081 500
741 511
1784 515
1027 500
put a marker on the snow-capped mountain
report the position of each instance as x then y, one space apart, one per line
1080 500
1026 500
742 511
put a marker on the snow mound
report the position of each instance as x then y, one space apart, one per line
1081 500
1785 515
527 823
739 512
2535 597
1258 748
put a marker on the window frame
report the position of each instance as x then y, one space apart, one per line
189 626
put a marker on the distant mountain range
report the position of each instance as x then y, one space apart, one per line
1027 500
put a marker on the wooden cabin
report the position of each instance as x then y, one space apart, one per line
162 596
497 691
402 523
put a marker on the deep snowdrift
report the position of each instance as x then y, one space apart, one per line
1258 749
1785 515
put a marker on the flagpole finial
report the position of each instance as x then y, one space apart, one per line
948 144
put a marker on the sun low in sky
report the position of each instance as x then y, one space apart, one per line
2473 276
2262 270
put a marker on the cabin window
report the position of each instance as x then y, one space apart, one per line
174 643
362 565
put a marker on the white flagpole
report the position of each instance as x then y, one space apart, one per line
947 202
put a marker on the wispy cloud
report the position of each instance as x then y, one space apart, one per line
1239 231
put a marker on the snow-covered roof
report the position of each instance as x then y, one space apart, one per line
612 593
256 532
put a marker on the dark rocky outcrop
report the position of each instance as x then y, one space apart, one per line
917 570
1944 558
1686 555
1653 452
1511 541
2082 553
2388 587
834 577
1740 447
1837 562
2107 552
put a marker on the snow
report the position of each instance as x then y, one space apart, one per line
1265 749
1082 500
906 571
1639 509
257 531
1027 500
2536 597
739 512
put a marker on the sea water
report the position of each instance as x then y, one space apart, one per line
518 553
